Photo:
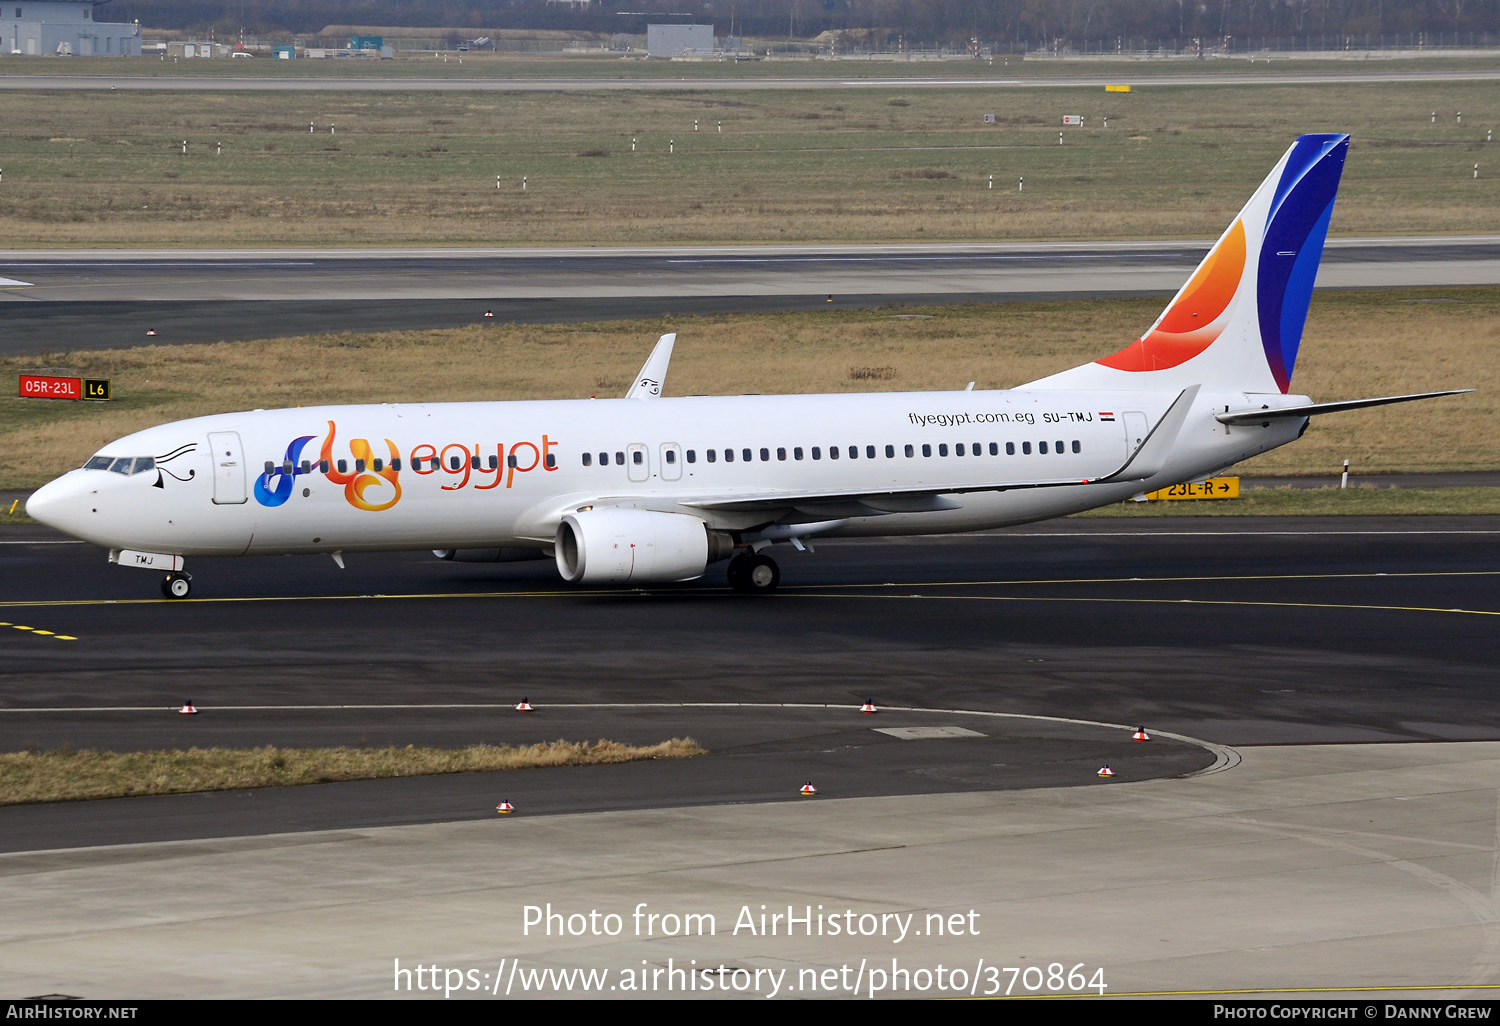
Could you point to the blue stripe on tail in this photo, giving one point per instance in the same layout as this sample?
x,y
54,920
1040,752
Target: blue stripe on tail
x,y
1293,244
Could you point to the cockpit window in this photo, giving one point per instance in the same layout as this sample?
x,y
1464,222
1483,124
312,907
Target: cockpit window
x,y
126,465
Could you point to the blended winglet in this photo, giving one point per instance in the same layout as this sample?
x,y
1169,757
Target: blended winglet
x,y
654,371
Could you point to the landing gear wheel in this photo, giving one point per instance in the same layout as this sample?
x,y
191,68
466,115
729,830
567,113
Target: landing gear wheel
x,y
736,572
177,586
761,574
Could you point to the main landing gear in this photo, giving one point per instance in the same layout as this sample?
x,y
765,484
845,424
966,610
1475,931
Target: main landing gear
x,y
754,573
177,585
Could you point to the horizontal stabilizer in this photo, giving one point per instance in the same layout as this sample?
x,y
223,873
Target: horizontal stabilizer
x,y
1313,409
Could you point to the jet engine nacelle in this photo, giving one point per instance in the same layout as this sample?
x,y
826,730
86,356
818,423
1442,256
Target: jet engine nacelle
x,y
618,545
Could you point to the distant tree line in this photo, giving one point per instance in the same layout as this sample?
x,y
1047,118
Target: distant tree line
x,y
1064,23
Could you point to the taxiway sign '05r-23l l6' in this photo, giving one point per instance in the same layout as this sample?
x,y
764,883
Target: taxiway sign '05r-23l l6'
x,y
648,489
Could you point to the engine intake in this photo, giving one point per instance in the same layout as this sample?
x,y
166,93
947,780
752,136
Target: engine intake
x,y
603,546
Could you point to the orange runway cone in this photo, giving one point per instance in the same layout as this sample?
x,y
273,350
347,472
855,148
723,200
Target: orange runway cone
x,y
1105,771
523,706
808,789
188,709
505,807
1140,735
869,706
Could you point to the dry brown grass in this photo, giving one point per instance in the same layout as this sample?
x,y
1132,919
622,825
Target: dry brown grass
x,y
1356,344
843,165
67,775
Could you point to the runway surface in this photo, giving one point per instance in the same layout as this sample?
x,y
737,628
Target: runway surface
x,y
756,84
1284,631
103,299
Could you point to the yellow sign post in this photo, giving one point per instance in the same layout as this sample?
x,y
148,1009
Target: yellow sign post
x,y
1213,488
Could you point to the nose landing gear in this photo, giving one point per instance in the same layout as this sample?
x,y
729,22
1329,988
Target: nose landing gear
x,y
177,585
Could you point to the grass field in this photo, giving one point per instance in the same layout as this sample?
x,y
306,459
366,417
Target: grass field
x,y
1356,344
68,775
873,164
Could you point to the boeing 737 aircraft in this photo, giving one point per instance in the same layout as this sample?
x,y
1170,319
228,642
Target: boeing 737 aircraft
x,y
650,489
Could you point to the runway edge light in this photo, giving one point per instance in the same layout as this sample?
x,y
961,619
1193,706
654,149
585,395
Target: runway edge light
x,y
808,790
505,807
1105,771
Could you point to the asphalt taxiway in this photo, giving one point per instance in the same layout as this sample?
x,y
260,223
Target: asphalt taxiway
x,y
102,299
1347,838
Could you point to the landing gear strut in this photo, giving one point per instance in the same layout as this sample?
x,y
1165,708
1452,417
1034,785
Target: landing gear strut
x,y
177,585
754,573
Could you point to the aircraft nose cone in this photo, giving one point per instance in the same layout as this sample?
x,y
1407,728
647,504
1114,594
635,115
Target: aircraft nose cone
x,y
57,504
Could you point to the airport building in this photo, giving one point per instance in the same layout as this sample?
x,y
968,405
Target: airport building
x,y
679,40
64,27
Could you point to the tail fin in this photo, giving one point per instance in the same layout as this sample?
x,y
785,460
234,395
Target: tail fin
x,y
1237,323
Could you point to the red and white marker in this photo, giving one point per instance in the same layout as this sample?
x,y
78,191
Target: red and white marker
x,y
1105,771
150,331
523,706
505,807
869,706
808,789
1140,735
188,708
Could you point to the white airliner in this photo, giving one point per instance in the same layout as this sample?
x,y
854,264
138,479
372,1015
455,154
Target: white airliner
x,y
650,489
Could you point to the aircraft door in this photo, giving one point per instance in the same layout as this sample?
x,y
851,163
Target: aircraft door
x,y
229,467
1136,430
637,461
671,461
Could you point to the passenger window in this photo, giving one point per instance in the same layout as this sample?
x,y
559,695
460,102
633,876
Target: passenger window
x,y
343,466
692,456
619,459
958,450
1041,447
270,467
454,462
746,455
636,457
994,449
551,461
869,452
765,455
494,462
604,459
926,449
395,465
377,466
781,454
670,455
942,448
910,452
323,466
359,465
1026,448
713,454
797,452
588,459
890,452
1010,448
510,461
833,452
286,468
854,452
474,462
728,455
1076,446
817,452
